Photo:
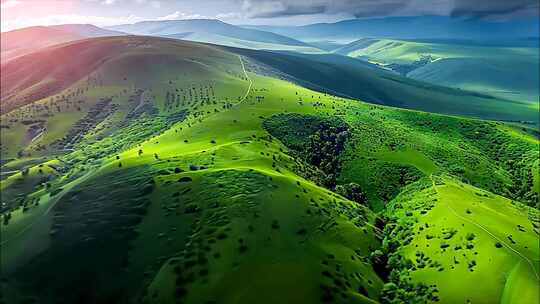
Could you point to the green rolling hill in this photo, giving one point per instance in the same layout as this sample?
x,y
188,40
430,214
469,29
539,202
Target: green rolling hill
x,y
202,174
509,71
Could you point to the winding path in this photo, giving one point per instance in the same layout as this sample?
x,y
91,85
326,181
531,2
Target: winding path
x,y
248,78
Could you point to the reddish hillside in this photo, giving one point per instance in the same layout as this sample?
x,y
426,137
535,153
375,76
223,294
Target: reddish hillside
x,y
20,42
23,41
48,71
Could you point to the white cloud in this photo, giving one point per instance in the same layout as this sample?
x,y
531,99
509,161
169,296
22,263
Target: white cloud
x,y
181,16
155,4
229,16
108,2
9,4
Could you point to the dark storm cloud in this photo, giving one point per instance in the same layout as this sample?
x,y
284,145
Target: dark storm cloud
x,y
277,8
373,8
494,8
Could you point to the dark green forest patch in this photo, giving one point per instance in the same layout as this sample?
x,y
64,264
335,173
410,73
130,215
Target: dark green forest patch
x,y
317,140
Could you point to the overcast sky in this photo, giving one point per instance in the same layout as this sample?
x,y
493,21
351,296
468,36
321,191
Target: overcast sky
x,y
23,13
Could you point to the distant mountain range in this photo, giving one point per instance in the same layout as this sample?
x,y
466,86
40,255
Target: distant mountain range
x,y
217,32
314,38
458,45
440,27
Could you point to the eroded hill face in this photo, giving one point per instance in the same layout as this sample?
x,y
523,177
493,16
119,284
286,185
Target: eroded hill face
x,y
195,180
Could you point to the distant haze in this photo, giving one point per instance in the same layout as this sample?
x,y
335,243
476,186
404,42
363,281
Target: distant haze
x,y
24,13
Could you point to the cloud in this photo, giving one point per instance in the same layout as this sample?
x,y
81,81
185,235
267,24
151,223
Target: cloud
x,y
280,8
494,8
378,8
9,4
231,15
181,16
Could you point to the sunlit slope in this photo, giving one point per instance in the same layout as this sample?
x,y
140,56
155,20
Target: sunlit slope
x,y
473,245
507,71
201,206
206,200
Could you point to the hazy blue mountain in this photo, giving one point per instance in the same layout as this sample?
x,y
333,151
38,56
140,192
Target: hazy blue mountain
x,y
204,28
87,30
422,27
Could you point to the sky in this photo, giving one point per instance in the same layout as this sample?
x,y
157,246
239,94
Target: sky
x,y
23,13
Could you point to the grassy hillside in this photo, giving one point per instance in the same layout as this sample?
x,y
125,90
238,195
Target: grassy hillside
x,y
453,235
201,180
510,72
